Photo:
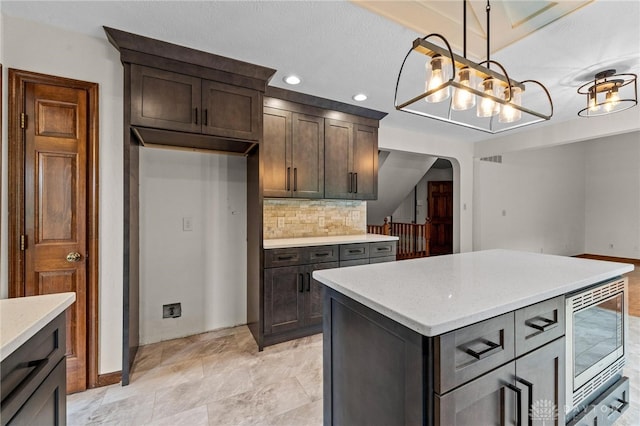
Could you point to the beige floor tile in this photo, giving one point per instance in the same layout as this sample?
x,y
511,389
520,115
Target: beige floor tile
x,y
305,415
255,407
135,410
197,416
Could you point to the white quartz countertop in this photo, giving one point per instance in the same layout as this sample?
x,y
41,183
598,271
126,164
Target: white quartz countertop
x,y
21,318
324,241
435,295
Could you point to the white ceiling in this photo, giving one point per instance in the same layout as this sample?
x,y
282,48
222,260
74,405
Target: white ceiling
x,y
339,48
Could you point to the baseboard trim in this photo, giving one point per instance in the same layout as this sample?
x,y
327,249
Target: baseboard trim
x,y
109,378
608,258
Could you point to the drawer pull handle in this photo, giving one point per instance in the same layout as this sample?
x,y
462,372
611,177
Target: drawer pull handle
x,y
491,349
356,251
518,392
387,248
324,254
287,257
620,408
529,386
548,324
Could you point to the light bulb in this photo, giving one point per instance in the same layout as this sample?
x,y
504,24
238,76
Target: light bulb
x,y
612,99
592,101
509,114
487,107
462,99
438,77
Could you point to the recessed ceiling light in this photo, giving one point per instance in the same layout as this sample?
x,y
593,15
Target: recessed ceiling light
x,y
360,97
292,79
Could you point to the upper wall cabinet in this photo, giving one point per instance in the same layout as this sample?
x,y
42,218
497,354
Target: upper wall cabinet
x,y
293,149
318,148
172,101
351,161
178,96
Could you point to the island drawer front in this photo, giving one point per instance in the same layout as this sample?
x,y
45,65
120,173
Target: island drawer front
x,y
588,417
464,354
26,368
354,251
538,324
284,257
613,402
323,254
382,249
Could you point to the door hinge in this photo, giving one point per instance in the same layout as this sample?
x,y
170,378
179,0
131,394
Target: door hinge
x,y
23,120
23,242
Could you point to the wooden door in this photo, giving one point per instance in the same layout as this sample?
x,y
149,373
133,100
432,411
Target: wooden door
x,y
55,162
365,163
315,294
276,151
440,202
338,159
308,156
231,111
283,299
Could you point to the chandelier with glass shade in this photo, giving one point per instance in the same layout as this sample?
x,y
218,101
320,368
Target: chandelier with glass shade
x,y
608,93
459,91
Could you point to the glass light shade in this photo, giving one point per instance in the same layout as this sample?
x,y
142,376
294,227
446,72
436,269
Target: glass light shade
x,y
612,99
438,72
509,114
462,99
487,107
592,102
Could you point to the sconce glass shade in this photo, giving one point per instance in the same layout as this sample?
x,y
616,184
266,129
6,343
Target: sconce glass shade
x,y
609,93
487,107
437,74
509,114
463,99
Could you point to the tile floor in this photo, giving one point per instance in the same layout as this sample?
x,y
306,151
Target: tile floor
x,y
219,378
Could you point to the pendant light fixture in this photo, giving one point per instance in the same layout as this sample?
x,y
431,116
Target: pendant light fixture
x,y
459,91
603,93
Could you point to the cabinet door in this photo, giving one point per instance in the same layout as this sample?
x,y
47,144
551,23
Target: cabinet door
x,y
541,376
230,111
47,405
315,294
338,155
487,400
165,100
365,163
283,299
276,151
308,156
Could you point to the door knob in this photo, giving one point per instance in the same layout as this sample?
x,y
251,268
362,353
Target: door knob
x,y
73,257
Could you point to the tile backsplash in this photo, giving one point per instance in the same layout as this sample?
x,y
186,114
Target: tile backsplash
x,y
292,218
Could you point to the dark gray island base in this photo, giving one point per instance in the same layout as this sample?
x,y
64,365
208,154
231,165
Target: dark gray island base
x,y
506,370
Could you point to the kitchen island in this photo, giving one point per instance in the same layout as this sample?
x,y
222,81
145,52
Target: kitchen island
x,y
473,338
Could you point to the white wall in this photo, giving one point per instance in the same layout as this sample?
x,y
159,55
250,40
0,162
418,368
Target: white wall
x,y
613,196
533,201
48,50
203,269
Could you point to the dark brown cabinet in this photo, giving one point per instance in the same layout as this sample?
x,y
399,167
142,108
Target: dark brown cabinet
x,y
351,161
293,148
172,101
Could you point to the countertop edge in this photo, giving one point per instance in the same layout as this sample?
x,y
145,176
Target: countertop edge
x,y
325,241
447,326
51,312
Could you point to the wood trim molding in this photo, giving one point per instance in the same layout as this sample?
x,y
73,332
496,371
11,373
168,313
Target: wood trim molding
x,y
608,258
109,378
17,82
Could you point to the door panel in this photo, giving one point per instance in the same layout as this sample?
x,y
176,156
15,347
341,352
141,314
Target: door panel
x,y
308,156
440,201
338,159
315,295
283,299
55,208
365,163
230,111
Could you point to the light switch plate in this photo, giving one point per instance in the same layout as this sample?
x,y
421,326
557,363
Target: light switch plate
x,y
355,215
321,221
187,224
281,222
